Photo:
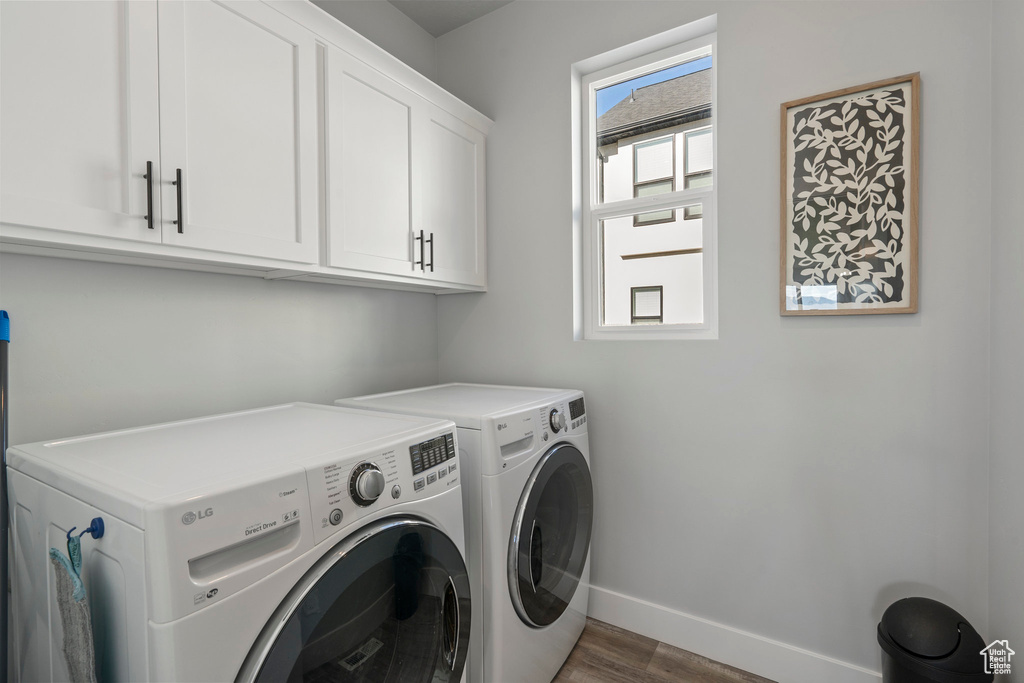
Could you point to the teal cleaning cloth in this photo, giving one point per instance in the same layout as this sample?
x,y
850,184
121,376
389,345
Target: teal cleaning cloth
x,y
79,652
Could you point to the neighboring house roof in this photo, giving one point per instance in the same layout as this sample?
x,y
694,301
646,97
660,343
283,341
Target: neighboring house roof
x,y
652,107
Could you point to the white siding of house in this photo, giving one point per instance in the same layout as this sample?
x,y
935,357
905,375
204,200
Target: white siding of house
x,y
680,275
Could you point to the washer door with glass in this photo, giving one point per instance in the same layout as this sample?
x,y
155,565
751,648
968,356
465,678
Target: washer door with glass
x,y
551,536
391,604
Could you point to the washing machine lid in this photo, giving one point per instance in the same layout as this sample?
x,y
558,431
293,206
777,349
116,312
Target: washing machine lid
x,y
132,469
391,603
468,405
551,536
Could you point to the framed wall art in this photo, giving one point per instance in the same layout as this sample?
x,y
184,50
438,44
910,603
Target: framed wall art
x,y
849,200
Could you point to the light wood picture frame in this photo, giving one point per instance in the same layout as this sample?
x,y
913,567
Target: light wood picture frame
x,y
849,200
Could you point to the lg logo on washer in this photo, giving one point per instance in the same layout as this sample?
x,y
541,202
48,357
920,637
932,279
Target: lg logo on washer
x,y
190,516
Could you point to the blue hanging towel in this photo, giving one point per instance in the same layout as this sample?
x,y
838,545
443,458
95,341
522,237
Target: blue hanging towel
x,y
79,652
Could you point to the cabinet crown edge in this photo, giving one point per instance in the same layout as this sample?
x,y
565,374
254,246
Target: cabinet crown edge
x,y
328,28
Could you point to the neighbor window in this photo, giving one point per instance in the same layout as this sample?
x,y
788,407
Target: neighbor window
x,y
699,157
648,190
654,172
647,304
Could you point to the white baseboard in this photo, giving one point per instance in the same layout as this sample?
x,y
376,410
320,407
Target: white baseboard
x,y
743,650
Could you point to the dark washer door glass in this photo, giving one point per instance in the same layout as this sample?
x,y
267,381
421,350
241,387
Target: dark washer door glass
x,y
391,605
551,535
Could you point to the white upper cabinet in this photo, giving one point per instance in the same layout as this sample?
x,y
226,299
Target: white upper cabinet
x,y
449,196
368,178
79,117
281,143
404,180
238,123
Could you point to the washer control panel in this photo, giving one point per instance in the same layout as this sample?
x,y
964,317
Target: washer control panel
x,y
556,420
577,413
577,408
343,491
564,417
365,484
431,453
430,460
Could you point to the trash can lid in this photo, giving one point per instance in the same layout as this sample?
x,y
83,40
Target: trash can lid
x,y
923,627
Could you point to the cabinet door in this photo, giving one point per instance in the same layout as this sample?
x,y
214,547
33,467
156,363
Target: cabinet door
x,y
79,116
367,134
449,196
238,119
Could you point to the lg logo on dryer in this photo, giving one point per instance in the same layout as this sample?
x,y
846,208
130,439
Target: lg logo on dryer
x,y
190,516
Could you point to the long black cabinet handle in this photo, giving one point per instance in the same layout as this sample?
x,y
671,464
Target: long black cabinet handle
x,y
431,264
419,239
181,219
149,194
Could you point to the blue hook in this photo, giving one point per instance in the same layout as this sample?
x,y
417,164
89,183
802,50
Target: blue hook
x,y
96,529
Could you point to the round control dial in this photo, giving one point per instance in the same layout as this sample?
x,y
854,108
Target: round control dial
x,y
366,483
557,420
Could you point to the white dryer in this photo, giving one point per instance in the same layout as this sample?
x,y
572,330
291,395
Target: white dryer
x,y
529,509
291,543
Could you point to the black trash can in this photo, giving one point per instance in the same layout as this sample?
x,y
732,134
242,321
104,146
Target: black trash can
x,y
924,641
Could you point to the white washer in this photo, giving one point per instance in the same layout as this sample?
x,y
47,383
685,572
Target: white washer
x,y
528,500
297,542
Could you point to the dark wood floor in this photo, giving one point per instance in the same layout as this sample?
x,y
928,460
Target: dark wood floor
x,y
608,654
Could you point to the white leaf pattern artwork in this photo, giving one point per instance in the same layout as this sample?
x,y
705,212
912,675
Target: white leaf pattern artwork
x,y
848,190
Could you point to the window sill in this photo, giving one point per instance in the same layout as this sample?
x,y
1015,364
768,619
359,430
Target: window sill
x,y
651,333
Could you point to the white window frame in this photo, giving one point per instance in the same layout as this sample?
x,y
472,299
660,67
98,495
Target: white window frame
x,y
646,56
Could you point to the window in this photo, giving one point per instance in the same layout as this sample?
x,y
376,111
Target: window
x,y
699,154
647,305
646,186
654,172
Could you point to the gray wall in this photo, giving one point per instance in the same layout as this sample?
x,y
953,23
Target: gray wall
x,y
796,476
384,24
100,346
1007,468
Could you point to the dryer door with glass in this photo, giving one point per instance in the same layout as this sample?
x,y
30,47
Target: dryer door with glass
x,y
390,603
551,535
